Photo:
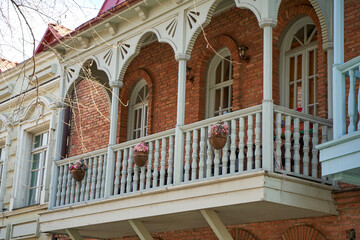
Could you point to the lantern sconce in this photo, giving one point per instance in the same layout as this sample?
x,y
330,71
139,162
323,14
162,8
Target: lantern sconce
x,y
189,76
242,54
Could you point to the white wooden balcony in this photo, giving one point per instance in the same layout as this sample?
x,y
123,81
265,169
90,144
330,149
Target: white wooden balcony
x,y
231,181
340,157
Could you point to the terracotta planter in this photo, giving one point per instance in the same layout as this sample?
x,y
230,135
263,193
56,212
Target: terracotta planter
x,y
140,158
217,142
78,175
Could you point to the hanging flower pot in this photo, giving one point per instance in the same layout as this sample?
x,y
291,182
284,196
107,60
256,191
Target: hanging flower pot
x,y
218,135
78,175
78,170
141,152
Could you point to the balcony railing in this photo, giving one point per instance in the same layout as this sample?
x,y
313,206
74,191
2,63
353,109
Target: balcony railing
x,y
295,136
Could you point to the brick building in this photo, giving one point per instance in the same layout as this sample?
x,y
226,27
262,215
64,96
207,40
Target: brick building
x,y
281,74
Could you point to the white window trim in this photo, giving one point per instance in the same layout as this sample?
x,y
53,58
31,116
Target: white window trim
x,y
4,143
210,78
141,83
285,53
23,152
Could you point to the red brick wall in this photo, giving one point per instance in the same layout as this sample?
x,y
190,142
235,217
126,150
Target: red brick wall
x,y
90,123
332,227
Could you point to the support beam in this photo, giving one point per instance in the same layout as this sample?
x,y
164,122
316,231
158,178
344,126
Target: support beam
x,y
140,230
216,224
73,234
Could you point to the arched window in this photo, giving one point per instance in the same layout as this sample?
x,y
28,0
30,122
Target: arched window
x,y
138,111
299,63
219,84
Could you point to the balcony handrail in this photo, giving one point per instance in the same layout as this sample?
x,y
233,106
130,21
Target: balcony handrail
x,y
151,137
303,116
229,116
349,65
84,155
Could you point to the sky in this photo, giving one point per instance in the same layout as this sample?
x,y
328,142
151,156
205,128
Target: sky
x,y
16,42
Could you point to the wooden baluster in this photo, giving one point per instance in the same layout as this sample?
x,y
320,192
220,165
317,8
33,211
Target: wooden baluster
x,y
98,178
324,134
296,145
278,142
358,105
135,178
142,177
288,143
102,191
93,179
217,162
77,191
68,187
149,166
187,157
171,160
117,172
83,184
156,163
352,111
209,160
129,181
124,171
72,190
58,193
241,143
315,141
306,149
202,153
250,143
88,180
225,154
163,162
64,180
194,154
233,146
258,141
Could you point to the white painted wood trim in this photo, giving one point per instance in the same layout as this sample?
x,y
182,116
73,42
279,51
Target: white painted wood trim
x,y
73,234
216,224
140,230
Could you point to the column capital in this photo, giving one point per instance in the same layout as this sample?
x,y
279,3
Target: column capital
x,y
116,84
182,56
328,46
58,105
267,22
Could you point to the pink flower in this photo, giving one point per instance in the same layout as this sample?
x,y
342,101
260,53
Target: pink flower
x,y
299,109
141,147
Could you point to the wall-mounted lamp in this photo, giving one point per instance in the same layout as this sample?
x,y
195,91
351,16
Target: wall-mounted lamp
x,y
189,76
242,54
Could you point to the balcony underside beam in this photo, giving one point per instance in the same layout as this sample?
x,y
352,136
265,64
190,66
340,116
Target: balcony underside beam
x,y
216,224
73,234
140,230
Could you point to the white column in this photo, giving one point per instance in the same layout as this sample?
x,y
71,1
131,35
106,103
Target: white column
x,y
58,147
339,109
180,118
328,47
267,105
115,85
5,166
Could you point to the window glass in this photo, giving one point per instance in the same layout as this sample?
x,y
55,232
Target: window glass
x,y
37,169
139,111
220,84
301,75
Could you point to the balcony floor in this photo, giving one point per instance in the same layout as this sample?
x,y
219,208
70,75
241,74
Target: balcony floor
x,y
243,198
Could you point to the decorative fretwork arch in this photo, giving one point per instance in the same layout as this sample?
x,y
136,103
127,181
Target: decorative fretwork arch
x,y
241,234
302,233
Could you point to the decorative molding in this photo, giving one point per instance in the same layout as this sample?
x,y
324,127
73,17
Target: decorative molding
x,y
70,73
112,28
108,57
302,232
267,22
124,49
192,18
171,28
85,42
142,11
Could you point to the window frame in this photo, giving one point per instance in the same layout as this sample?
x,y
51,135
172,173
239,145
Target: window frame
x,y
42,150
211,86
133,106
286,54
